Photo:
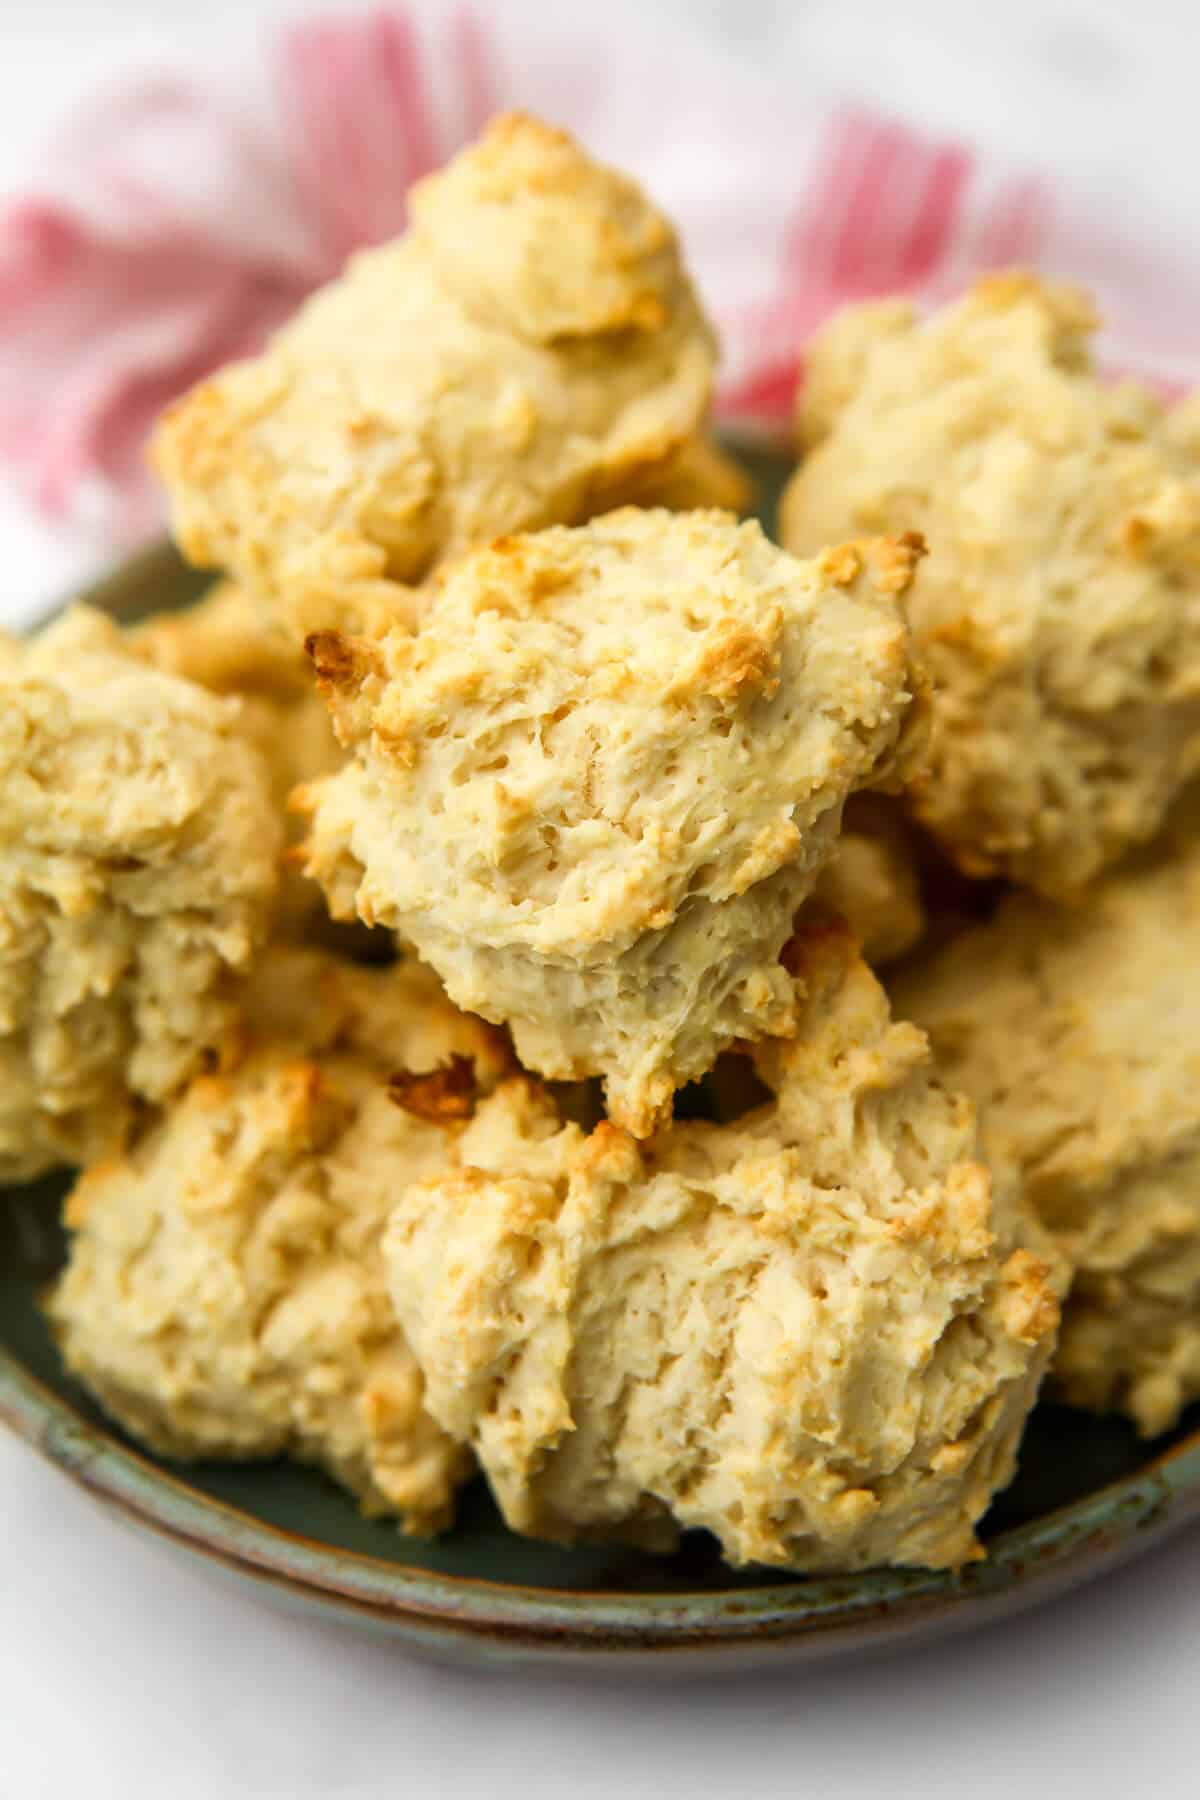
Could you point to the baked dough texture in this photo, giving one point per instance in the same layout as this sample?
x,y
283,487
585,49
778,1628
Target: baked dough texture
x,y
1059,611
138,853
872,879
596,786
524,355
1078,1034
225,644
701,477
815,1333
224,1294
1183,428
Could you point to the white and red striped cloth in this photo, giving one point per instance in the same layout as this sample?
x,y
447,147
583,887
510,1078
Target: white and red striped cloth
x,y
183,216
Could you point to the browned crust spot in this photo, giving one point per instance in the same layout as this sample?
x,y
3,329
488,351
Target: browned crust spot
x,y
440,1097
741,658
1135,535
341,662
1011,287
805,950
894,561
610,1153
1032,1308
841,564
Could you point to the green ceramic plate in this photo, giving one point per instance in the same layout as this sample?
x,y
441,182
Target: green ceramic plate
x,y
1087,1496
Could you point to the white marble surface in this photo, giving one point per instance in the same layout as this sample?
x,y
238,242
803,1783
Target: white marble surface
x,y
124,1677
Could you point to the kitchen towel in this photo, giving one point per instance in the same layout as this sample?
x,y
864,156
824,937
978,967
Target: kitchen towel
x,y
180,217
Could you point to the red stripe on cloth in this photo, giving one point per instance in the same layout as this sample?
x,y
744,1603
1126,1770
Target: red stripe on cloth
x,y
880,214
339,78
810,281
766,394
1014,226
809,236
377,208
1002,233
476,68
1039,216
394,42
806,285
939,213
868,257
311,136
36,244
359,123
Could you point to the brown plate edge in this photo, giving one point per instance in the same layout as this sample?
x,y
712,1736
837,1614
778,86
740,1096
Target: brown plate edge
x,y
811,1620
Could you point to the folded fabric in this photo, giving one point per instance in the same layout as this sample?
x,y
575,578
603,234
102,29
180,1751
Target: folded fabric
x,y
182,217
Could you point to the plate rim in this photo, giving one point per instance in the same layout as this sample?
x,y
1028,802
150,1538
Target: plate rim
x,y
1025,1565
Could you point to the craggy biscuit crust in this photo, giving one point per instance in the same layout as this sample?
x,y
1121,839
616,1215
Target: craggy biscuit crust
x,y
225,645
138,874
593,791
701,477
815,1333
1059,610
224,1294
872,880
1077,1033
526,354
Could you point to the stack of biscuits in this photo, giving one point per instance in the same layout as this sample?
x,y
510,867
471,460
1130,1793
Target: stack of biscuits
x,y
451,951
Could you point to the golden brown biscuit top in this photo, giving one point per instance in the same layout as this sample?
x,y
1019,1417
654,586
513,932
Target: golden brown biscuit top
x,y
814,1332
139,847
594,723
529,352
224,644
105,760
528,232
1076,1029
1059,612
